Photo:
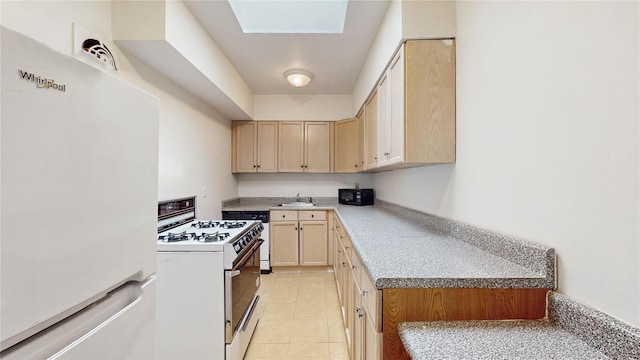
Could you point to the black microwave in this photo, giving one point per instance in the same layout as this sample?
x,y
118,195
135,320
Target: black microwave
x,y
355,196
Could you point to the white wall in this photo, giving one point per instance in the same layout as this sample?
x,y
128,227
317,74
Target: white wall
x,y
385,44
205,55
288,185
548,140
428,19
302,107
200,139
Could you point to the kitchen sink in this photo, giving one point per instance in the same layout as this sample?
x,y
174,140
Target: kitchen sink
x,y
298,204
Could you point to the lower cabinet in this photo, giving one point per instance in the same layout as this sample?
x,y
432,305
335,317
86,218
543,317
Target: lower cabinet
x,y
299,238
360,301
372,338
358,325
313,243
284,243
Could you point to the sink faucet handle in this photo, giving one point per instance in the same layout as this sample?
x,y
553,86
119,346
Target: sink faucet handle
x,y
298,197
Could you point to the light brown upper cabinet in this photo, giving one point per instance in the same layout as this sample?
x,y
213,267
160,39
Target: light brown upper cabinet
x,y
361,140
416,108
371,131
305,146
347,145
391,107
254,146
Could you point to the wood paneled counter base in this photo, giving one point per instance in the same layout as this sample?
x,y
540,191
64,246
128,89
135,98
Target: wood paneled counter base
x,y
418,304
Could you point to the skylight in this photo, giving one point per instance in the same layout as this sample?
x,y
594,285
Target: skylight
x,y
290,16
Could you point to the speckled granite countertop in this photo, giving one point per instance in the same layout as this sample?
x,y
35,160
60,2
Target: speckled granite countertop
x,y
459,340
573,331
401,248
403,252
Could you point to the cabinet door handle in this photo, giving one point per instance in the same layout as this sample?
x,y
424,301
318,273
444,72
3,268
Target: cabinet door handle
x,y
354,267
302,166
312,215
365,292
344,264
347,247
258,165
283,216
254,166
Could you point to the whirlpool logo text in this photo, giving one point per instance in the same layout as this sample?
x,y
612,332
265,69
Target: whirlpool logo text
x,y
42,82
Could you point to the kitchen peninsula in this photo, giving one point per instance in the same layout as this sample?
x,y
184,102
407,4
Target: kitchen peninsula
x,y
425,268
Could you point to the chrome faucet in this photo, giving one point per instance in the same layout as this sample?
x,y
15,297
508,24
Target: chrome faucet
x,y
298,197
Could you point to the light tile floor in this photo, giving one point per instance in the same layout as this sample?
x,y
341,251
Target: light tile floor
x,y
300,318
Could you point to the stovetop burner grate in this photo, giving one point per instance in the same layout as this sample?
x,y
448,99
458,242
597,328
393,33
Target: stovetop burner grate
x,y
232,224
212,237
175,237
205,224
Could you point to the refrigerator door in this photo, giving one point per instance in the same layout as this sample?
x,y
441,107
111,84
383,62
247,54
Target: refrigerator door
x,y
78,185
120,326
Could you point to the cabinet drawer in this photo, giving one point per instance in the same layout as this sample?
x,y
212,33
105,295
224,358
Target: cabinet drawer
x,y
312,215
372,300
284,215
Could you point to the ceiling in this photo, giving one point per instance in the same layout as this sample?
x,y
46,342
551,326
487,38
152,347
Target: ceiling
x,y
261,59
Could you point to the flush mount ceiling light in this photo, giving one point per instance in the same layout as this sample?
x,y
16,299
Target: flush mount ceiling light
x,y
290,16
298,77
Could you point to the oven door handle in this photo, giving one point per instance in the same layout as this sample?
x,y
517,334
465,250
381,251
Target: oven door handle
x,y
246,256
245,321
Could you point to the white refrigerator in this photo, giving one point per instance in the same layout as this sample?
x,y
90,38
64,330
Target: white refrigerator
x,y
78,196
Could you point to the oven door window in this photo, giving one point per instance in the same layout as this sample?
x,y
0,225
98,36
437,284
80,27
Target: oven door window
x,y
244,283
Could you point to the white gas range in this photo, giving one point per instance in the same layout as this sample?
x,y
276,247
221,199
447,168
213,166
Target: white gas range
x,y
208,276
227,236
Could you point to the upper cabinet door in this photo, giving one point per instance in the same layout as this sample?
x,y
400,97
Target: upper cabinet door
x,y
430,108
317,147
267,146
361,140
391,106
396,110
347,145
245,136
384,120
291,147
371,132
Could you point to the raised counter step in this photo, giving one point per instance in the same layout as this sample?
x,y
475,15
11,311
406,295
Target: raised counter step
x,y
572,331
